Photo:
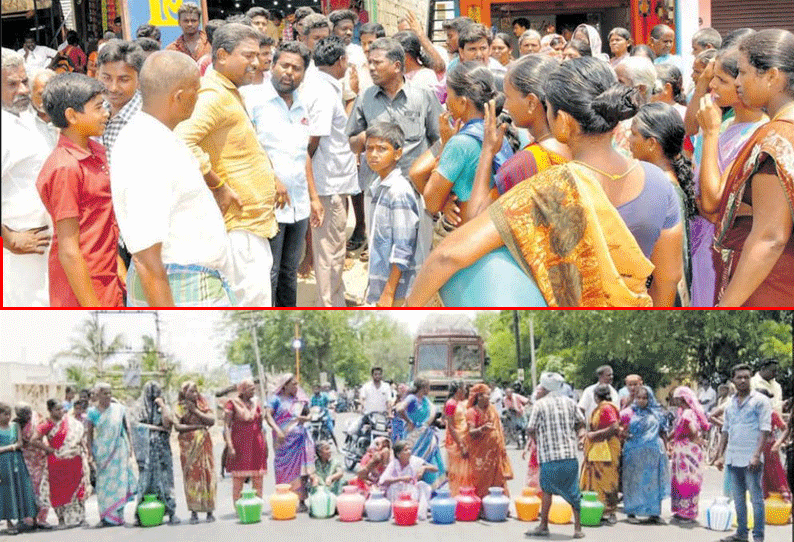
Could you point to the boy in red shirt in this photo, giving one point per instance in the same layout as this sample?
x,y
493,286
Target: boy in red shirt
x,y
74,185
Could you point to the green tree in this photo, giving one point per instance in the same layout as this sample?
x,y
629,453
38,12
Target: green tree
x,y
329,343
659,345
90,348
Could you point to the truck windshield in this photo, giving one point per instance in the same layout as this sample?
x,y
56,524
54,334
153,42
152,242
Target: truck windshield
x,y
466,361
431,360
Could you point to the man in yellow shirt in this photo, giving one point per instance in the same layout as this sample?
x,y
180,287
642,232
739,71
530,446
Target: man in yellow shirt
x,y
234,164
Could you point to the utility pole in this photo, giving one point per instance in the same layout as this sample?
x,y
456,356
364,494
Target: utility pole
x,y
296,344
517,331
532,350
255,342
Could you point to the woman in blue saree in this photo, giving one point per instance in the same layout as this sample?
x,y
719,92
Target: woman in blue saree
x,y
111,452
646,473
418,412
293,445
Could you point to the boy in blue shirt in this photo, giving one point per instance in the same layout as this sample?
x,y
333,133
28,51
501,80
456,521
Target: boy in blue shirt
x,y
395,220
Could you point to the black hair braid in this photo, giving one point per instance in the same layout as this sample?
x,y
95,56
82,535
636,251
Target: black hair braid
x,y
686,180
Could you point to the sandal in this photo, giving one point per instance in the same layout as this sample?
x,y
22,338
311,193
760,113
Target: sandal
x,y
537,532
364,256
733,538
355,243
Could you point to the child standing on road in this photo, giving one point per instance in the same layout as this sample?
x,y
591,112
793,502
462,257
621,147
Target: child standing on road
x,y
396,237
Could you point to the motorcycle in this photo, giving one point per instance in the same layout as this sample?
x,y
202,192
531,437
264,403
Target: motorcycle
x,y
514,426
318,424
342,404
360,433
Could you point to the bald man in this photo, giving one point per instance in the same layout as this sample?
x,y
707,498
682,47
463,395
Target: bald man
x,y
41,120
627,392
167,215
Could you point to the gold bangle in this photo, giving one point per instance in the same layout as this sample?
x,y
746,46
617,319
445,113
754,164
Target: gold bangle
x,y
217,186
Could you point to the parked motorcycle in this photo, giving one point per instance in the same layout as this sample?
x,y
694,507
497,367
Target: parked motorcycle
x,y
360,433
319,424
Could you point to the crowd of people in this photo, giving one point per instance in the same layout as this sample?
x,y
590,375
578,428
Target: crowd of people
x,y
642,188
632,449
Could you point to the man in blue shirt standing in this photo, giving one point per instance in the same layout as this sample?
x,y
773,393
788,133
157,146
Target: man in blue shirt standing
x,y
748,423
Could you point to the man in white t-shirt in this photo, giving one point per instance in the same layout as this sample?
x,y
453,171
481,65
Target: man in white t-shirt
x,y
167,215
334,167
375,395
588,403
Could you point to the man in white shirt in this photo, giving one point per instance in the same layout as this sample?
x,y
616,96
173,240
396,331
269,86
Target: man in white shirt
x,y
26,224
166,213
587,403
375,395
764,379
334,167
707,395
35,56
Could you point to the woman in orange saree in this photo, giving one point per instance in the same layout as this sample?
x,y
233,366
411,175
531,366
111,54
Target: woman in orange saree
x,y
195,446
488,462
602,454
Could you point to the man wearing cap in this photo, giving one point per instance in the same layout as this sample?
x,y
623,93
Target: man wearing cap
x,y
764,379
556,424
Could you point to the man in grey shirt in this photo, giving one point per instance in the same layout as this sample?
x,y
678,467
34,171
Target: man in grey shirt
x,y
393,99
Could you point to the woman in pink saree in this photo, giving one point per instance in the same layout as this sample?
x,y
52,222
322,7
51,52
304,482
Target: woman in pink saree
x,y
687,447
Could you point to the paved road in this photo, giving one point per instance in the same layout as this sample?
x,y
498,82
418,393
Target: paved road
x,y
305,529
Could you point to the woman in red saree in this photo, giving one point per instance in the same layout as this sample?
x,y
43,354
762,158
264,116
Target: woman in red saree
x,y
246,447
774,474
488,462
754,246
67,464
195,446
602,453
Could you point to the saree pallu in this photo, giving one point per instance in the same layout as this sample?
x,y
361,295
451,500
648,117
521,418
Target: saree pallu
x,y
198,466
525,164
115,479
294,458
565,233
457,466
424,443
774,140
36,461
686,468
602,459
67,469
488,460
701,231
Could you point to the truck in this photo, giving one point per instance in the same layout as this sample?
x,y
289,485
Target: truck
x,y
443,356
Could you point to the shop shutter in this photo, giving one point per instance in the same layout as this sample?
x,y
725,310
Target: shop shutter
x,y
728,15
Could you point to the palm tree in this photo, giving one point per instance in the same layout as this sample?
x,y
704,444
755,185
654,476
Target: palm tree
x,y
92,347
